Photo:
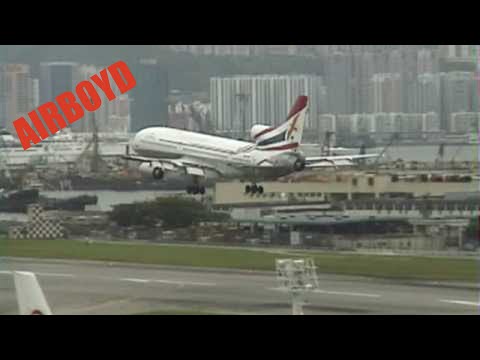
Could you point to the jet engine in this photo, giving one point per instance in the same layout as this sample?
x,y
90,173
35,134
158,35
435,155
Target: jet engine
x,y
295,162
257,130
299,164
152,169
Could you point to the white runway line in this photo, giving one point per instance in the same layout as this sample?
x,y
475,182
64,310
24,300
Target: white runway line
x,y
141,281
56,275
184,283
43,274
461,302
170,282
340,293
135,280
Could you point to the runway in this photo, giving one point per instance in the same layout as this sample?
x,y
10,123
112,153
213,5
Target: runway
x,y
74,287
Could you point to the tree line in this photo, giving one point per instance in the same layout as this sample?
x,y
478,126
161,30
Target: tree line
x,y
170,212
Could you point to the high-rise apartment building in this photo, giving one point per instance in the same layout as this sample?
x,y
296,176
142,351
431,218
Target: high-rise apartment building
x,y
362,71
239,102
16,94
338,76
386,95
459,94
149,98
85,125
119,117
428,93
56,78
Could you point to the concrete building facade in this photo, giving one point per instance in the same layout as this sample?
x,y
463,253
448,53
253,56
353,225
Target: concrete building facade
x,y
16,93
239,102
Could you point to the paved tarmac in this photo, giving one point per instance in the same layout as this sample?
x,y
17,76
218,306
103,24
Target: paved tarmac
x,y
76,287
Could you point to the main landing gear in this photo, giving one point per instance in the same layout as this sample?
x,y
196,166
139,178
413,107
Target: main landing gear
x,y
254,189
195,190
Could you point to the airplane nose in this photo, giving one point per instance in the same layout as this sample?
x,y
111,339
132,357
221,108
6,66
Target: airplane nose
x,y
140,138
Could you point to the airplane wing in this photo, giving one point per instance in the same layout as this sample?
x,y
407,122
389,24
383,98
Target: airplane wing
x,y
190,167
328,164
329,161
342,157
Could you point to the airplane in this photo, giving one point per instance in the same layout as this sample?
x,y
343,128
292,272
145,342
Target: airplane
x,y
30,297
273,154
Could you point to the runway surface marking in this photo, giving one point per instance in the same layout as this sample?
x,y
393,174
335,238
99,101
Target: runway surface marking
x,y
144,281
56,275
453,302
170,282
335,293
461,302
43,274
347,293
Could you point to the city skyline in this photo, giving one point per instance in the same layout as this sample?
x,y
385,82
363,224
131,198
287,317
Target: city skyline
x,y
350,80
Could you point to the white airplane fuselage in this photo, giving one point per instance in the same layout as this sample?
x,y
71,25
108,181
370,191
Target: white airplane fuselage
x,y
273,154
232,158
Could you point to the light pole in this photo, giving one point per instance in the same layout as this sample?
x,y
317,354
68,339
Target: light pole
x,y
297,276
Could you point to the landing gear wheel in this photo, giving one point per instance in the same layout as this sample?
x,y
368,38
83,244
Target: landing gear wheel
x,y
158,174
195,190
254,189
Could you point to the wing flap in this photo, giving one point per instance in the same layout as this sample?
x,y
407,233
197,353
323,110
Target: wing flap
x,y
194,171
325,164
168,166
139,158
336,159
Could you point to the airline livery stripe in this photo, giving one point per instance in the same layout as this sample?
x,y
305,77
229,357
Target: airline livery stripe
x,y
273,140
282,147
301,104
266,131
293,128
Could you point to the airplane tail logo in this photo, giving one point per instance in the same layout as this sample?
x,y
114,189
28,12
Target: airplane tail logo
x,y
287,136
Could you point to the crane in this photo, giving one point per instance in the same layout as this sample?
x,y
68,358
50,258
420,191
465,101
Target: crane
x,y
95,158
395,137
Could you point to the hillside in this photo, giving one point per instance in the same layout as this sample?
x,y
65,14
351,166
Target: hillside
x,y
186,71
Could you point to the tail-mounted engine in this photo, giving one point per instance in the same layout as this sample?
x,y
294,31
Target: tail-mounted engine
x,y
294,161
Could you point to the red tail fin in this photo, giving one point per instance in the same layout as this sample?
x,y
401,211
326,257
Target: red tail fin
x,y
299,105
